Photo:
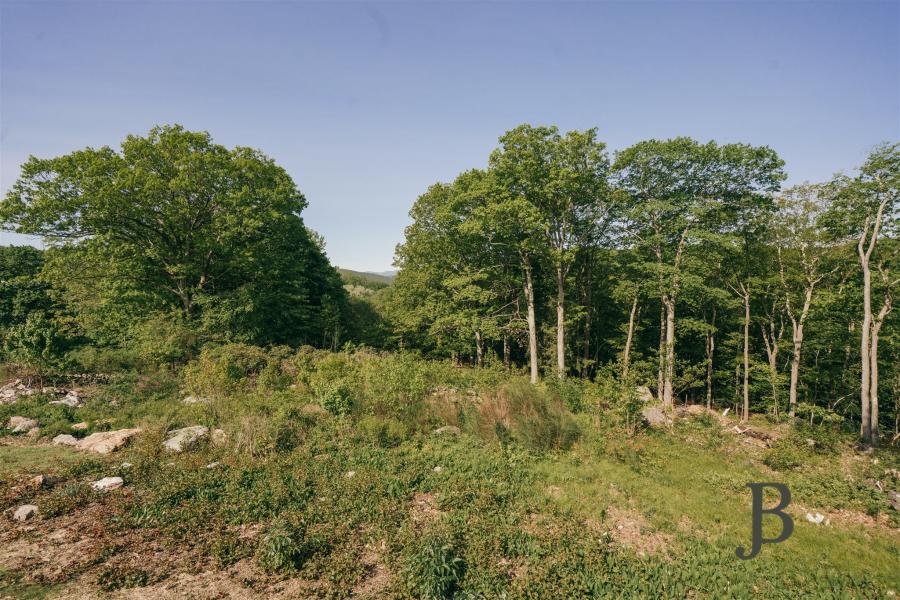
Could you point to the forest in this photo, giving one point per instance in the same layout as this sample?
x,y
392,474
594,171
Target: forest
x,y
582,347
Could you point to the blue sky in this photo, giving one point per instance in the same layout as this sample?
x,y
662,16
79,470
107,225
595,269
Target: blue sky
x,y
366,104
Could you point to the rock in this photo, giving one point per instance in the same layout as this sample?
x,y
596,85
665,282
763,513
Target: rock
x,y
33,433
894,499
71,400
25,512
182,439
21,424
43,481
195,400
218,437
80,426
64,439
811,442
656,416
892,473
817,519
644,394
126,465
449,429
214,465
350,474
108,483
104,442
438,469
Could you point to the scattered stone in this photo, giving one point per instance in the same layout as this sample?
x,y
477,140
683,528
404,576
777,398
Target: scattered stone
x,y
25,512
438,469
656,417
218,437
21,424
71,400
126,465
892,473
214,465
80,426
350,474
43,481
108,483
181,439
195,400
104,442
448,429
894,499
644,394
817,519
811,442
64,439
33,433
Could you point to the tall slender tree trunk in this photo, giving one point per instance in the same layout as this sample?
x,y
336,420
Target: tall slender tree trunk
x,y
627,355
506,350
668,399
661,375
479,350
865,426
560,323
710,349
746,409
795,370
532,324
873,370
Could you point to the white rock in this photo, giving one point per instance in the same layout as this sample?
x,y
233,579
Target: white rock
x,y
350,474
25,512
438,469
104,442
80,426
214,465
126,465
64,439
218,437
21,424
817,520
182,439
195,400
449,429
71,399
656,416
108,483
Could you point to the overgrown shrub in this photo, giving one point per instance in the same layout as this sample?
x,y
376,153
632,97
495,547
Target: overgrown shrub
x,y
225,369
530,416
432,568
383,432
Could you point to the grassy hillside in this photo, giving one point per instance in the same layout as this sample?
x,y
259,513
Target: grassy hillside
x,y
362,475
372,280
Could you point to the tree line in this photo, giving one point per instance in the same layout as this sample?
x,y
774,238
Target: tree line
x,y
675,263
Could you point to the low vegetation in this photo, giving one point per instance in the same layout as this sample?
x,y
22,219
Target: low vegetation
x,y
426,480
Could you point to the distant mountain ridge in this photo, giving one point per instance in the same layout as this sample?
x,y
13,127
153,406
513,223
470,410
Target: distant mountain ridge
x,y
366,279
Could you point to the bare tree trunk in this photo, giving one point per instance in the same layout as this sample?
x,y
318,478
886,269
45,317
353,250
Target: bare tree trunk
x,y
532,324
746,411
560,323
661,375
865,425
668,399
626,358
479,350
710,349
506,350
795,370
873,374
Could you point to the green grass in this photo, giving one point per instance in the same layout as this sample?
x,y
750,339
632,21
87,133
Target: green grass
x,y
521,504
15,459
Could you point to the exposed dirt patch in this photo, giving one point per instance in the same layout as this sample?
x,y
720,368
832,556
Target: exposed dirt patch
x,y
424,508
377,577
631,529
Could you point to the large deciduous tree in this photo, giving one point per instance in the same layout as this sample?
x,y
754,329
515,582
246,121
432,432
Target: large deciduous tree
x,y
174,221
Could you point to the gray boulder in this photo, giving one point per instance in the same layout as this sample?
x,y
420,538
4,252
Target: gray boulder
x,y
21,424
447,429
108,483
64,439
655,416
180,440
104,442
25,512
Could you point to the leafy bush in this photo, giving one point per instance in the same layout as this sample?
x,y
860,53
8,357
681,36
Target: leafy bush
x,y
383,432
225,369
283,547
786,454
432,568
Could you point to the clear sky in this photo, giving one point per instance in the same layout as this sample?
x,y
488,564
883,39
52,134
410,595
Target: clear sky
x,y
366,104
